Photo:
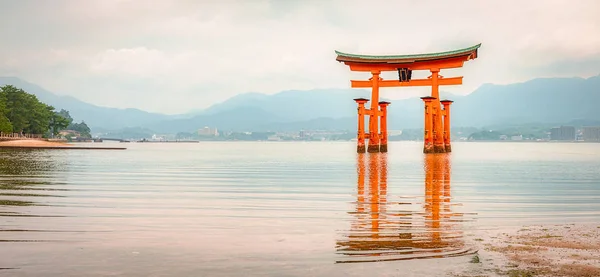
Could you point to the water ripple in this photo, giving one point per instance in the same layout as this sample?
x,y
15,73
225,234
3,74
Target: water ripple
x,y
416,227
315,206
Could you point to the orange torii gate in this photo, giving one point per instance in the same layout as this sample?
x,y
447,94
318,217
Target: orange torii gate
x,y
437,120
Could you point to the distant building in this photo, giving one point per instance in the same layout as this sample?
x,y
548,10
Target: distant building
x,y
303,134
274,138
591,133
157,138
519,137
394,132
562,133
206,131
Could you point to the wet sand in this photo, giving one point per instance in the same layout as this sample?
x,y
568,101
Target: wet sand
x,y
571,250
44,144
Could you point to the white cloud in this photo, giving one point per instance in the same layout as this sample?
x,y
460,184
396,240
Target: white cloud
x,y
136,62
174,56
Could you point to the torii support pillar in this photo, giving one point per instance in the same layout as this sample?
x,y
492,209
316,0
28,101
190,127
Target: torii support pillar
x,y
428,134
383,136
447,132
360,136
373,146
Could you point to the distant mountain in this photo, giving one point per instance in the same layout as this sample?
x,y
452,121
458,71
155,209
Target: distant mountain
x,y
332,109
543,101
294,105
243,118
318,109
94,116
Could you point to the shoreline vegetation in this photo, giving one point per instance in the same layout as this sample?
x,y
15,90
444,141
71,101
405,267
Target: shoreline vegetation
x,y
23,115
569,250
26,122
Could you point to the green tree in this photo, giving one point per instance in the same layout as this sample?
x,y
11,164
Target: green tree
x,y
82,128
60,121
5,125
38,117
22,112
16,107
485,135
64,113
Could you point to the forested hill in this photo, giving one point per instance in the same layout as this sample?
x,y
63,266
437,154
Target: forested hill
x,y
21,112
94,116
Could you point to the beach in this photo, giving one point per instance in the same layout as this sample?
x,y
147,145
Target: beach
x,y
44,144
32,143
571,250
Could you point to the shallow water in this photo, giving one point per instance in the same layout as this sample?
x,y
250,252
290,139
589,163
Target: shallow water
x,y
279,208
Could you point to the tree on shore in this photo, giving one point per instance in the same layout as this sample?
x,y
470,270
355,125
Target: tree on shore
x,y
81,128
485,135
60,121
5,124
21,112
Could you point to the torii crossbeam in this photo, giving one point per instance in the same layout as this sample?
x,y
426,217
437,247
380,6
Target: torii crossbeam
x,y
437,120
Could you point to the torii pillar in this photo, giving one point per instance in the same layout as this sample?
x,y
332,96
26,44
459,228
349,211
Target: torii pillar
x,y
428,130
446,113
383,136
437,125
374,114
437,131
360,135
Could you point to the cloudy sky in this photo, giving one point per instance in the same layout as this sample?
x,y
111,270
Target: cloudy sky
x,y
175,56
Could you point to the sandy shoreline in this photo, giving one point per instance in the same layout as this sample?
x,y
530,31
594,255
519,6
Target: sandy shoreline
x,y
44,144
31,143
538,250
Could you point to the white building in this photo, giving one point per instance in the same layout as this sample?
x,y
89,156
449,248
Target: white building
x,y
206,131
519,137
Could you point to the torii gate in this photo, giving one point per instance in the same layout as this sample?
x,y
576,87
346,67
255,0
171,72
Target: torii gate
x,y
437,120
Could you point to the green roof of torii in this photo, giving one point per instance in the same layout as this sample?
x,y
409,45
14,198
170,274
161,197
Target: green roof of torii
x,y
404,58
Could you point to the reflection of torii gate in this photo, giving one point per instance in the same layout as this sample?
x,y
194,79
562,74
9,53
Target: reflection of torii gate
x,y
437,130
383,231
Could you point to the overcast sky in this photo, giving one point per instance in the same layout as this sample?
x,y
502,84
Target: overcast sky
x,y
175,56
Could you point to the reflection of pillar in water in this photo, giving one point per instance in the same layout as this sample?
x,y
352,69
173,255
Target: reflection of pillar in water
x,y
383,138
447,169
360,195
437,195
379,232
383,167
374,193
433,186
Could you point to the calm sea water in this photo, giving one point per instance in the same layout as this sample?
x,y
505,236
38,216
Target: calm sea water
x,y
279,208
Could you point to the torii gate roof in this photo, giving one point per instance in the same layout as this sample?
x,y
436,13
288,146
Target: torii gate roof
x,y
467,53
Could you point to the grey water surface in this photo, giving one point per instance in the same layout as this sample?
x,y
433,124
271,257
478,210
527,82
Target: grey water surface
x,y
280,208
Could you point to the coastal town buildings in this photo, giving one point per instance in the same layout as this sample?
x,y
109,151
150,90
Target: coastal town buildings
x,y
591,133
207,131
562,133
